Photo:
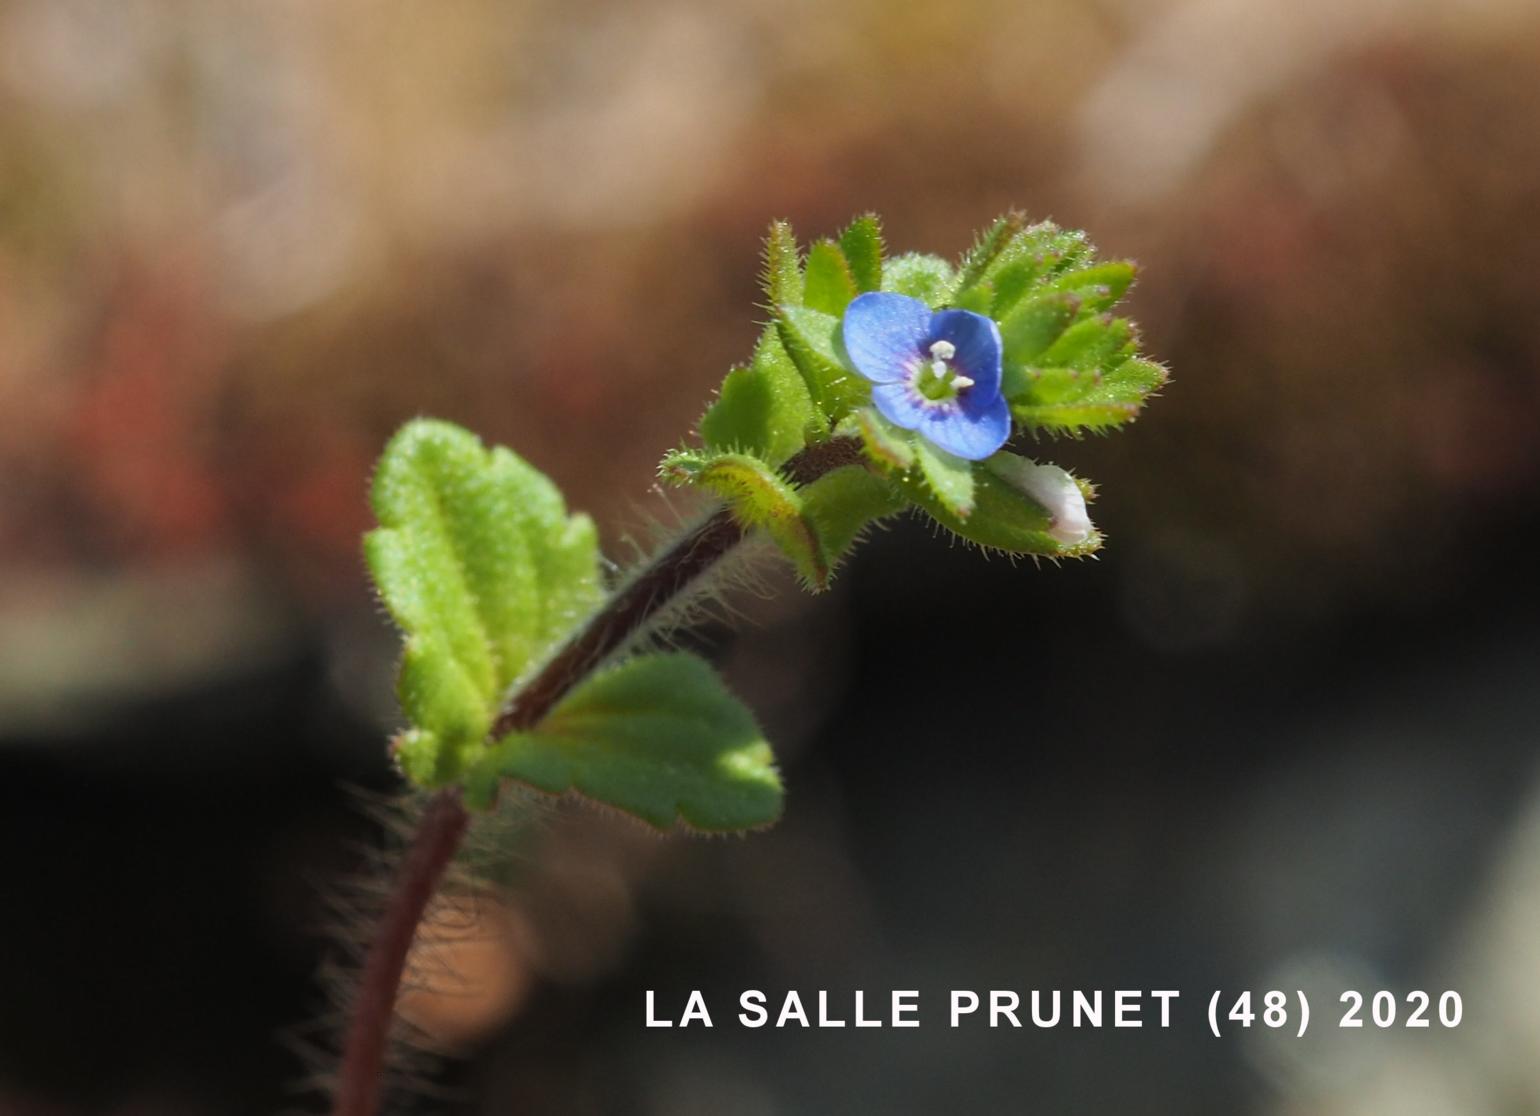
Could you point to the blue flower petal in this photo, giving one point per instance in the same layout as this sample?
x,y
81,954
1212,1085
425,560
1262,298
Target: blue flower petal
x,y
885,334
977,340
972,432
900,405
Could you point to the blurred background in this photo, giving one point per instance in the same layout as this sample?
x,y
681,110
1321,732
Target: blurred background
x,y
1282,733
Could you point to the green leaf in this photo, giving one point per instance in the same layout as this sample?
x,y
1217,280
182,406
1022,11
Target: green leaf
x,y
1136,379
927,278
1004,519
1050,249
986,249
887,445
811,338
1094,343
979,298
827,283
1042,386
1063,400
763,409
1072,418
1032,258
948,478
783,272
1100,286
842,503
1028,331
659,738
480,565
759,497
1012,282
862,245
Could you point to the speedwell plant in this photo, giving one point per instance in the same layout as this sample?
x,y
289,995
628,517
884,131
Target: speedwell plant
x,y
882,385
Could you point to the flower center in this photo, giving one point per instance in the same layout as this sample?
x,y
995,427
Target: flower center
x,y
938,381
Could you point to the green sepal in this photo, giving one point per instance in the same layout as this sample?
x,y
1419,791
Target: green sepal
x,y
927,278
659,738
782,277
862,245
1004,518
480,565
812,341
827,282
763,409
888,446
842,503
759,497
947,477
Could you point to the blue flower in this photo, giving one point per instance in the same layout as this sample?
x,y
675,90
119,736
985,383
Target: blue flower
x,y
935,372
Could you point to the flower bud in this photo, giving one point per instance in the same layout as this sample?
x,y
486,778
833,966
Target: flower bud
x,y
1054,489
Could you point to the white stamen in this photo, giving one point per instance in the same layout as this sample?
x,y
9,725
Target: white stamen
x,y
960,381
941,352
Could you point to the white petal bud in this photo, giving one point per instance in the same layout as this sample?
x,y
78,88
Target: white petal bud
x,y
1054,489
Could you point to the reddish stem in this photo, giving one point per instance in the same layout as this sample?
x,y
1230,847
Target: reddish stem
x,y
363,1055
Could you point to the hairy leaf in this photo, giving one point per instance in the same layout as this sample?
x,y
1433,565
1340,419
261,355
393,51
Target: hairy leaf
x,y
1095,343
1035,324
862,245
1063,400
917,275
483,569
1100,286
986,250
887,445
948,478
827,283
759,497
763,409
659,738
812,340
842,503
978,298
783,271
1005,519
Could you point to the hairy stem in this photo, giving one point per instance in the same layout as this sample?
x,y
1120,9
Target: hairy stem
x,y
363,1054
623,616
443,823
